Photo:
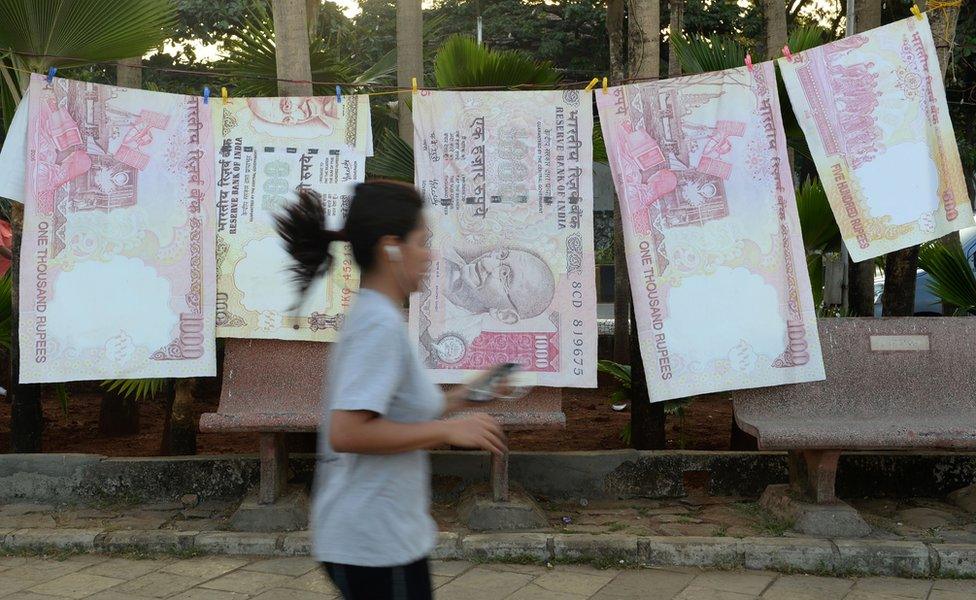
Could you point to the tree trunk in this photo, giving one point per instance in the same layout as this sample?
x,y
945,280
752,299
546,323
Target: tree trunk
x,y
621,282
860,284
26,418
117,415
291,47
676,26
180,428
901,267
644,43
615,33
777,34
646,420
312,8
128,73
410,58
860,288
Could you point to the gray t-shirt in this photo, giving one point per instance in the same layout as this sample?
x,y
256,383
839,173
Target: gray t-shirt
x,y
374,510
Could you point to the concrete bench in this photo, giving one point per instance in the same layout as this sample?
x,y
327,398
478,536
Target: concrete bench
x,y
892,384
274,387
271,387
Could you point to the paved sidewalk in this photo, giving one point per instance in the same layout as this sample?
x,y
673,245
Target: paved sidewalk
x,y
232,578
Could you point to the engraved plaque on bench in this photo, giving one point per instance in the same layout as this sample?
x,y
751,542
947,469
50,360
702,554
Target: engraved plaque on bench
x,y
900,343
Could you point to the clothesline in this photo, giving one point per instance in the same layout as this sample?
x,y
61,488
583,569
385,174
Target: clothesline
x,y
381,89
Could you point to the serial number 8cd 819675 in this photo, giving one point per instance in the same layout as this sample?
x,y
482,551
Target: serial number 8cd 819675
x,y
577,330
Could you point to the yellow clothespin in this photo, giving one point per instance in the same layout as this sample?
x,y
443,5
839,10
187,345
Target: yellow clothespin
x,y
592,84
916,12
413,82
604,85
223,94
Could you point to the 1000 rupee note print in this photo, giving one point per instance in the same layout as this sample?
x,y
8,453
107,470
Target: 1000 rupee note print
x,y
117,271
256,297
873,109
714,250
316,121
508,181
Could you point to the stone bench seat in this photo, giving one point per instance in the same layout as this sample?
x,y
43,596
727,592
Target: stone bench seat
x,y
870,432
273,388
904,383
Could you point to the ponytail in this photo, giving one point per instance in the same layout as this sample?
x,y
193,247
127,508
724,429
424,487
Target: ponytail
x,y
377,209
306,239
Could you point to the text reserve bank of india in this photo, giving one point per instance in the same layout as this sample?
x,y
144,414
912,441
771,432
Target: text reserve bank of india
x,y
507,177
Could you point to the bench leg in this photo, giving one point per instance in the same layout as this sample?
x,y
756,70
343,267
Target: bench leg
x,y
274,467
499,477
813,474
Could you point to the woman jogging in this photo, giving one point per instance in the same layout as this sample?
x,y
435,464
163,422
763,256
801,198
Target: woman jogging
x,y
371,521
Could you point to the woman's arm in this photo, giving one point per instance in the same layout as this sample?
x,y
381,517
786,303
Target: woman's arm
x,y
365,432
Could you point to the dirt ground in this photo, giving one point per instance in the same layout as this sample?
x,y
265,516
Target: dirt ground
x,y
590,425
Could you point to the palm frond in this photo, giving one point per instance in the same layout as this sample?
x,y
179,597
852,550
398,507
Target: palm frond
x,y
250,59
599,146
135,389
699,54
72,32
804,38
618,371
951,274
393,158
461,63
820,231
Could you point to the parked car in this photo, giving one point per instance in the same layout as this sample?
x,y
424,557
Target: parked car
x,y
927,303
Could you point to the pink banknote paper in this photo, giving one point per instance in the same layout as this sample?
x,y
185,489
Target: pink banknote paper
x,y
874,112
714,250
117,272
508,179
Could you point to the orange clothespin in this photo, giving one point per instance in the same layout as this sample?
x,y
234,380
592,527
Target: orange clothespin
x,y
917,12
591,84
223,94
787,53
604,85
748,61
413,83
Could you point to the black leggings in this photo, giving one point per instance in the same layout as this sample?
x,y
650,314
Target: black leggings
x,y
408,582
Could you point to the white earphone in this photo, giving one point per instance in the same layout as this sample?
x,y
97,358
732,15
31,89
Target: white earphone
x,y
393,253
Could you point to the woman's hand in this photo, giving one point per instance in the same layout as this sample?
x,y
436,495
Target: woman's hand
x,y
476,431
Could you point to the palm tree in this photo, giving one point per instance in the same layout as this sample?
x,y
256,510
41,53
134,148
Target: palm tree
x,y
250,60
34,36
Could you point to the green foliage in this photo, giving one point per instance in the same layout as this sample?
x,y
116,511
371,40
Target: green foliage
x,y
41,31
618,371
951,274
250,60
462,63
135,389
699,54
820,232
393,158
38,34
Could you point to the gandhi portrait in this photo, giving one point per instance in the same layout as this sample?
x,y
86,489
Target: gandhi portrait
x,y
295,117
509,284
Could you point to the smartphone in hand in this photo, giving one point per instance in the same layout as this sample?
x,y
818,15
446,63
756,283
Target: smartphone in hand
x,y
482,391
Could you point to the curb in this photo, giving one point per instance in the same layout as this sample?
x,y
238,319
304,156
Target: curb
x,y
792,555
